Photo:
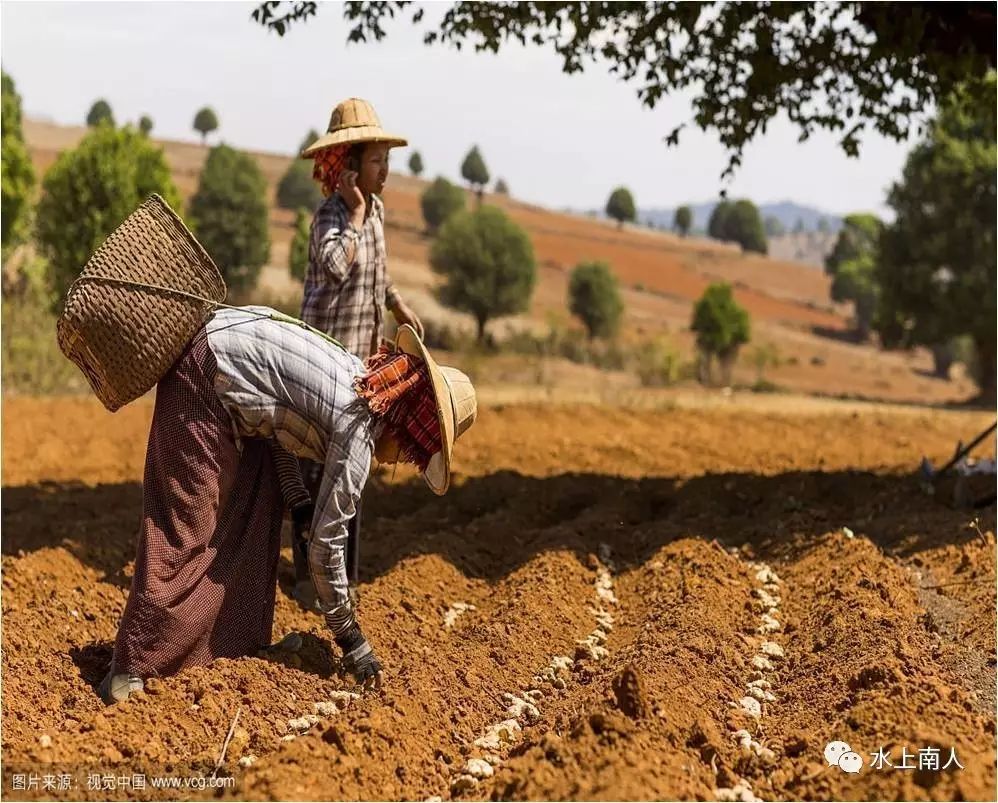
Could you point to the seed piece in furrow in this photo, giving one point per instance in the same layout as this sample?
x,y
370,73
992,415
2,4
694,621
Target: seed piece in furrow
x,y
650,721
447,690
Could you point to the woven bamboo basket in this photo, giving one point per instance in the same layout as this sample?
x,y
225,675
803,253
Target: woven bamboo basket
x,y
138,301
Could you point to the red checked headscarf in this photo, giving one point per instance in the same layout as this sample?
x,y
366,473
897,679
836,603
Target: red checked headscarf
x,y
329,163
397,388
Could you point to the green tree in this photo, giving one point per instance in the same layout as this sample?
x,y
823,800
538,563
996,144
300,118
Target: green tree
x,y
100,113
89,191
501,188
488,262
719,223
594,298
620,206
747,229
205,121
12,114
416,164
799,226
722,326
228,213
145,124
936,267
298,254
856,66
439,201
17,183
738,222
297,188
683,220
474,171
851,263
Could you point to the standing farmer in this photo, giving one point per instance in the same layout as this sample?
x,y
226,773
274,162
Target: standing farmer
x,y
347,287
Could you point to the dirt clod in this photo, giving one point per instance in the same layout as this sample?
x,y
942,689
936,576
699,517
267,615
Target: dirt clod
x,y
627,689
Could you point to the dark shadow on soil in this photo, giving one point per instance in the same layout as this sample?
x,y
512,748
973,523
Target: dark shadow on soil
x,y
850,336
489,526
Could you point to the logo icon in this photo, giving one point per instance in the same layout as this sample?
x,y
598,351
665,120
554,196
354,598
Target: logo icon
x,y
841,755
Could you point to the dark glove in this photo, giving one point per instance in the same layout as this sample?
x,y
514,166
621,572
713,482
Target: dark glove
x,y
301,518
358,657
301,521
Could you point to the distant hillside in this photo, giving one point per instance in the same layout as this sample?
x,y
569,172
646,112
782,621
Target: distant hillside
x,y
809,248
787,212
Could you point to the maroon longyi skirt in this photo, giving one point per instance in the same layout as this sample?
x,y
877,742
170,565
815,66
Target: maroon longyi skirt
x,y
206,567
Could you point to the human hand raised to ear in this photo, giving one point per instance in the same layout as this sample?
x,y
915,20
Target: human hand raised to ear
x,y
352,194
359,658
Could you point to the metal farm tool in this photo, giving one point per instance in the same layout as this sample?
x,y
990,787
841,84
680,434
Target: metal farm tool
x,y
930,476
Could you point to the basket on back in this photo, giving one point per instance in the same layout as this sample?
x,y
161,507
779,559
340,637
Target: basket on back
x,y
121,332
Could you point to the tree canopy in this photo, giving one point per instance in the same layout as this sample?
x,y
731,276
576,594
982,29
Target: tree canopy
x,y
488,262
18,181
439,201
937,262
205,121
845,67
229,215
416,164
620,206
851,264
88,192
738,222
100,113
474,171
682,220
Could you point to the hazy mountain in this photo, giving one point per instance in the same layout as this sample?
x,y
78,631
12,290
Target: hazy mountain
x,y
787,212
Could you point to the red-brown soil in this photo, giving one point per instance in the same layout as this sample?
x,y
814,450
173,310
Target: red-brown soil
x,y
889,636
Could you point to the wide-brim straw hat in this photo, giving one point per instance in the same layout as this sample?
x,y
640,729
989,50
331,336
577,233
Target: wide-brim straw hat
x,y
353,121
457,406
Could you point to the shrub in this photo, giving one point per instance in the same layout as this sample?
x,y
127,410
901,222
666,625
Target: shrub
x,y
722,327
89,191
594,297
229,215
658,363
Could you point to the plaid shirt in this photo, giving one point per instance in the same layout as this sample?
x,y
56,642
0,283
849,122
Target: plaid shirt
x,y
277,380
347,301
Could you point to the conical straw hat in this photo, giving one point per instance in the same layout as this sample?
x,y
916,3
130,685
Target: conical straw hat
x,y
353,121
457,406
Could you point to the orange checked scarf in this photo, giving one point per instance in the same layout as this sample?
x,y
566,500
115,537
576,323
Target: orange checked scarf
x,y
397,388
329,163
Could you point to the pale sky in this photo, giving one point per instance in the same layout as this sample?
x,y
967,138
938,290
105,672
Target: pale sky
x,y
559,140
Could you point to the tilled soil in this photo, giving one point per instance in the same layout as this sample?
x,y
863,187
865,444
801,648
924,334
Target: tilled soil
x,y
609,604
